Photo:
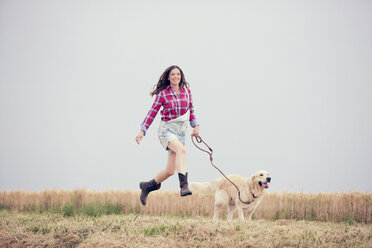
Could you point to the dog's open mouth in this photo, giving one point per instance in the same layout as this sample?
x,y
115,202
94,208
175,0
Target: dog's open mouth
x,y
263,185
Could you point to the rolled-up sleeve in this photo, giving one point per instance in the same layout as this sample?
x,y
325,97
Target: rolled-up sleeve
x,y
193,121
159,101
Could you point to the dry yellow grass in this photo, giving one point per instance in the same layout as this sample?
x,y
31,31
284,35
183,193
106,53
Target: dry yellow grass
x,y
133,230
348,206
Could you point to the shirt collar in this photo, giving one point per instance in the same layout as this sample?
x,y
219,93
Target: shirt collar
x,y
169,87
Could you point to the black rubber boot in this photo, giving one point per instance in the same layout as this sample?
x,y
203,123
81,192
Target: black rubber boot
x,y
184,185
146,188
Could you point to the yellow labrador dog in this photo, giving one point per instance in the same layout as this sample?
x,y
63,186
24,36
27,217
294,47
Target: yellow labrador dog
x,y
226,195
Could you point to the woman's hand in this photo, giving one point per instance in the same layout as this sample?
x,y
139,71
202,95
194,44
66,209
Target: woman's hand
x,y
195,131
140,136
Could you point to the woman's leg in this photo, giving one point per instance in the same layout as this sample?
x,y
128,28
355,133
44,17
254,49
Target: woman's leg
x,y
147,187
180,155
169,169
179,149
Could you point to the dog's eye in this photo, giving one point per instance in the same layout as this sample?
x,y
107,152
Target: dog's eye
x,y
261,175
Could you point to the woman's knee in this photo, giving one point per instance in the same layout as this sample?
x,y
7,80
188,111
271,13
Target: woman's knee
x,y
177,147
182,150
170,172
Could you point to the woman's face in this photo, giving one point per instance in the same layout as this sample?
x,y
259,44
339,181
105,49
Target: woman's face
x,y
174,77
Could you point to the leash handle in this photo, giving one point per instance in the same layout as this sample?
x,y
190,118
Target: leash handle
x,y
200,140
210,152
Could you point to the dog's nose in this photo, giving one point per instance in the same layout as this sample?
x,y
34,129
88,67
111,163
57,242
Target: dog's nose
x,y
268,179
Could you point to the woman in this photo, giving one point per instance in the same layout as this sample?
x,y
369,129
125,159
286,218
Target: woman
x,y
173,94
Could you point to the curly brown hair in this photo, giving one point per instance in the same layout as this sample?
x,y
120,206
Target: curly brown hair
x,y
164,82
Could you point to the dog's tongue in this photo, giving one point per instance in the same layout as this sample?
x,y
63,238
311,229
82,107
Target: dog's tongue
x,y
264,185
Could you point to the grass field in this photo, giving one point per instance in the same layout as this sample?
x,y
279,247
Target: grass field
x,y
26,229
336,207
84,218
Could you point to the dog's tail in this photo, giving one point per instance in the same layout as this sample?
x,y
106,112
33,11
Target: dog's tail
x,y
202,188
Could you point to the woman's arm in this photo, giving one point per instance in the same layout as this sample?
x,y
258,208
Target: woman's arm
x,y
139,136
193,121
159,101
195,131
150,117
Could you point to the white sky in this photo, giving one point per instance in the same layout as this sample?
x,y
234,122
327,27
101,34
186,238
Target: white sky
x,y
284,86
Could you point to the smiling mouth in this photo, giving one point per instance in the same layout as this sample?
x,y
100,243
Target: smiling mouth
x,y
264,185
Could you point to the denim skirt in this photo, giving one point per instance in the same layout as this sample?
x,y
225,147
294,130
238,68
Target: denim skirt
x,y
173,129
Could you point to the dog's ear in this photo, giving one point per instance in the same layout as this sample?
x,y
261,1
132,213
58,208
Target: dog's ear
x,y
254,176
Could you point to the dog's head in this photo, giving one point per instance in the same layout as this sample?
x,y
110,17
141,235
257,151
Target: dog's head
x,y
262,178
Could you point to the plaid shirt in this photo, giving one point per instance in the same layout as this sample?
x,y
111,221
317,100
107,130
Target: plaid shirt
x,y
174,105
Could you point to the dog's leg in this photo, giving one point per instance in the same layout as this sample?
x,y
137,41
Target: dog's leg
x,y
216,212
220,200
240,213
230,211
250,215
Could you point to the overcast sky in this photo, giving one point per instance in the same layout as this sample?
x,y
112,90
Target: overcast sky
x,y
284,86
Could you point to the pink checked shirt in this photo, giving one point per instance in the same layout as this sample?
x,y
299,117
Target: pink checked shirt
x,y
174,105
